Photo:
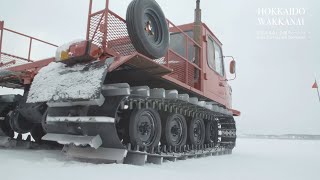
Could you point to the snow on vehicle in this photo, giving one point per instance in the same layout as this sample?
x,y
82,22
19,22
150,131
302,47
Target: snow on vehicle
x,y
135,91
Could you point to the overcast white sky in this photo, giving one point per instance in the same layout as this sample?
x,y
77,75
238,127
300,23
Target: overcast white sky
x,y
273,88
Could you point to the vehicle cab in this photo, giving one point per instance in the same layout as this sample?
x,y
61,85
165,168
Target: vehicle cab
x,y
212,79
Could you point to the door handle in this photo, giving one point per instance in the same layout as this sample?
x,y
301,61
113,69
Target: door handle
x,y
221,84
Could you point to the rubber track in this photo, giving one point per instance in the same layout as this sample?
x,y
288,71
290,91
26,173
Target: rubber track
x,y
226,128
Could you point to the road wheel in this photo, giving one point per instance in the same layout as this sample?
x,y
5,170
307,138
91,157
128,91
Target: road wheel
x,y
147,28
145,127
196,131
211,132
174,132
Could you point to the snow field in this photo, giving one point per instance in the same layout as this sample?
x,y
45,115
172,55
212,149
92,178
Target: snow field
x,y
253,159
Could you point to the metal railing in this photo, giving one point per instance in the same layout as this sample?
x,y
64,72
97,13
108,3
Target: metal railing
x,y
10,59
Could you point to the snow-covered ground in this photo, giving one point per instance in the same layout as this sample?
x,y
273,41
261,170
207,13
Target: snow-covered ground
x,y
252,159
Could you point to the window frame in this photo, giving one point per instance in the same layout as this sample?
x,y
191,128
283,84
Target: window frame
x,y
210,38
190,59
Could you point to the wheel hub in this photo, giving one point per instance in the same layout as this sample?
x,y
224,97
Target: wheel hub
x,y
149,28
152,27
176,130
145,128
197,132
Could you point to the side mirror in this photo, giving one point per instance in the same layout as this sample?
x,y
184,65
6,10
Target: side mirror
x,y
233,67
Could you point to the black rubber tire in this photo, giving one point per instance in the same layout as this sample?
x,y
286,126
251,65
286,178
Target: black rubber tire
x,y
134,132
37,133
19,124
191,132
166,130
211,132
137,13
5,126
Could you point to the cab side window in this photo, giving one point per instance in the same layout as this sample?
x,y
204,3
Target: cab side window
x,y
215,58
177,44
211,54
218,59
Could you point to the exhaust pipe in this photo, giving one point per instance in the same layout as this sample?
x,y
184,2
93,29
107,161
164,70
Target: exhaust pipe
x,y
197,31
197,28
197,18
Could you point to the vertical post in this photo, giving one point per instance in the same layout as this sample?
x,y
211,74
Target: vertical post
x,y
1,36
30,46
187,58
186,46
105,34
201,70
187,73
89,19
167,58
317,88
316,85
318,93
167,55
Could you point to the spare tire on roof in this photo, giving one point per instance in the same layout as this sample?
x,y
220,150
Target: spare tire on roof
x,y
147,28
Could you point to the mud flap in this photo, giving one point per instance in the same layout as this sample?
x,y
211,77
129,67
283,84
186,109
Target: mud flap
x,y
59,83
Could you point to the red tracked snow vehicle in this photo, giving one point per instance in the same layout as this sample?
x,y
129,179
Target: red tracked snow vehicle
x,y
136,90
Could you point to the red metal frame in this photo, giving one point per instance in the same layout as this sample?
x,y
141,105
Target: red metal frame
x,y
25,72
12,57
24,68
108,30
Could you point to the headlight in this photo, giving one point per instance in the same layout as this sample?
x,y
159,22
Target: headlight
x,y
62,52
77,51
